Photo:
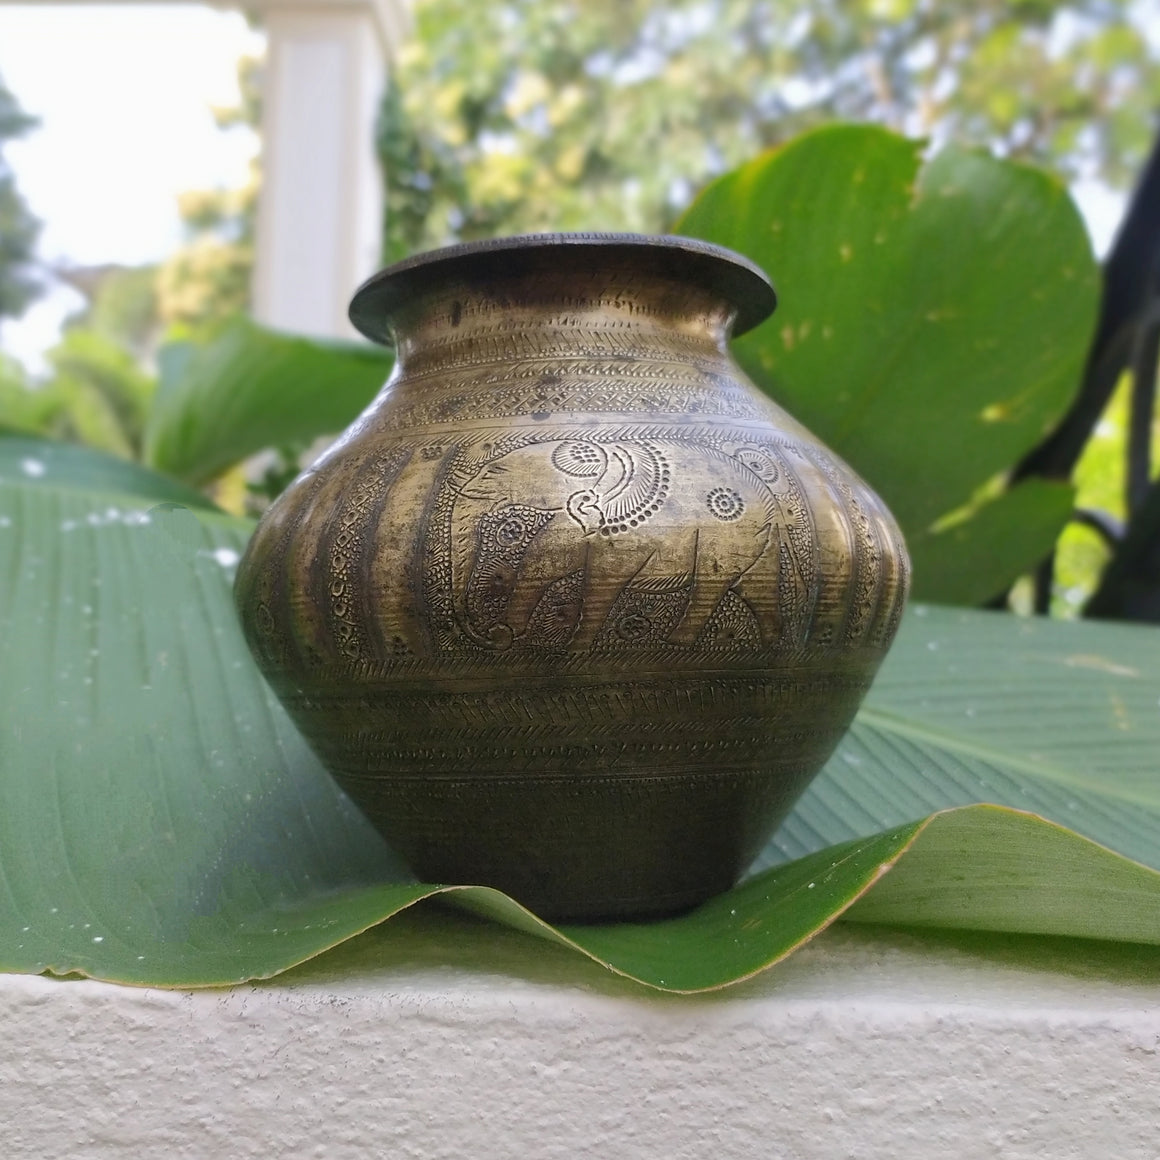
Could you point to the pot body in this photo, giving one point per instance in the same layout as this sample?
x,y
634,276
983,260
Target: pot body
x,y
573,610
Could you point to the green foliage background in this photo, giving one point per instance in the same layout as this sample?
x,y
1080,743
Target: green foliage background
x,y
526,115
19,283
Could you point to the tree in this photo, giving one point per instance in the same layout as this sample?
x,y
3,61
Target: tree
x,y
207,281
95,395
102,376
120,305
18,228
590,114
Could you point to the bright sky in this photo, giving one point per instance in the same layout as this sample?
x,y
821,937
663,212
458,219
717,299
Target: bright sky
x,y
123,94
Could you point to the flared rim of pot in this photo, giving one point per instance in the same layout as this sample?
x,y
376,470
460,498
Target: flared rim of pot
x,y
714,268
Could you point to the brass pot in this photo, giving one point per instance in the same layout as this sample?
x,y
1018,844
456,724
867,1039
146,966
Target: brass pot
x,y
573,610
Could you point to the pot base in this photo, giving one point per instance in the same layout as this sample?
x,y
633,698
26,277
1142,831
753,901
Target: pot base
x,y
587,799
583,849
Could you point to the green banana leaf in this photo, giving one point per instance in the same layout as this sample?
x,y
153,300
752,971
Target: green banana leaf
x,y
162,823
933,325
251,388
34,460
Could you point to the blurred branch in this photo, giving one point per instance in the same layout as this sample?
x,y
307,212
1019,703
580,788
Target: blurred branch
x,y
1126,339
1129,291
1107,527
1144,360
1130,588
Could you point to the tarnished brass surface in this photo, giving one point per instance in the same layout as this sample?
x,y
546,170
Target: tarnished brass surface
x,y
573,610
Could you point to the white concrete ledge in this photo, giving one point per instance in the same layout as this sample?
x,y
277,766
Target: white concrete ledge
x,y
439,1037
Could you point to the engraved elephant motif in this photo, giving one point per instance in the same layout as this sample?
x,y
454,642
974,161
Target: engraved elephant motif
x,y
548,537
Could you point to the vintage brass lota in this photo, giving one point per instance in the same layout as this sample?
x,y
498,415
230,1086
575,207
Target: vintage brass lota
x,y
572,609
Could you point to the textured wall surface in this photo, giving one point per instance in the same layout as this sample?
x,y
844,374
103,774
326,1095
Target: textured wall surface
x,y
440,1037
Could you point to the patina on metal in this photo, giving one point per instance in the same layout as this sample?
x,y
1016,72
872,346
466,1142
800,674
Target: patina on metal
x,y
573,610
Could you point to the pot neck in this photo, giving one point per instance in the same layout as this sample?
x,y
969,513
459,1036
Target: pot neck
x,y
554,315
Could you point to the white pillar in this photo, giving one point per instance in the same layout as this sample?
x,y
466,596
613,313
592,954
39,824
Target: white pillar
x,y
320,211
